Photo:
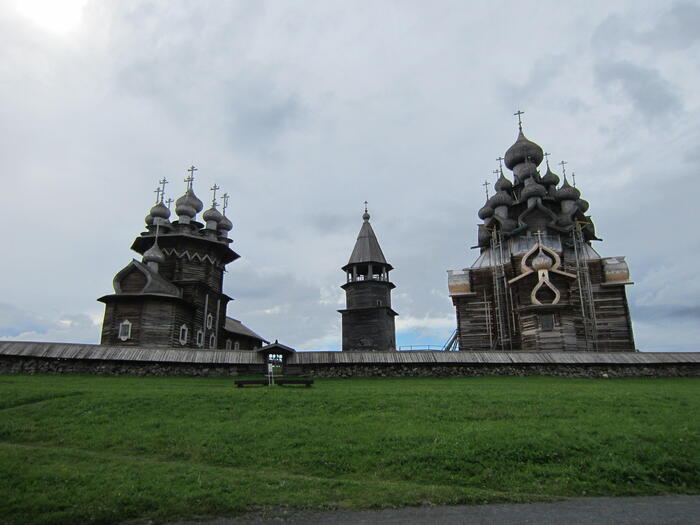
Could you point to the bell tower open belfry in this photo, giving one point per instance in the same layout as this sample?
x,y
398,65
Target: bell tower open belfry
x,y
368,319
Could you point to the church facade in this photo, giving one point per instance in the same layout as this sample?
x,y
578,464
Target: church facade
x,y
538,283
174,296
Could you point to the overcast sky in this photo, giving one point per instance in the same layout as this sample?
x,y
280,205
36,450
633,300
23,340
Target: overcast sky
x,y
303,110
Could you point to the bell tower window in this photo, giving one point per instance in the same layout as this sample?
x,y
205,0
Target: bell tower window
x,y
200,338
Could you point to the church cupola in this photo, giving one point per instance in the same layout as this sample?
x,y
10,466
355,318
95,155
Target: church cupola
x,y
188,206
368,319
225,225
212,216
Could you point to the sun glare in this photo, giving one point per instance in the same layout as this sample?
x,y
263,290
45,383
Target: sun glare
x,y
59,17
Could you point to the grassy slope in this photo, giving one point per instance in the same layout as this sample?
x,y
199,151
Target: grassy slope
x,y
104,449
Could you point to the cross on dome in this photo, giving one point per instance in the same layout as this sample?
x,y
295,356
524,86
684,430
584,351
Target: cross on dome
x,y
546,156
563,169
520,122
169,202
190,177
225,198
159,196
162,182
486,188
500,163
214,188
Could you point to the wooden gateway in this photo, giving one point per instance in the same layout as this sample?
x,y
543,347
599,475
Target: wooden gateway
x,y
174,297
538,284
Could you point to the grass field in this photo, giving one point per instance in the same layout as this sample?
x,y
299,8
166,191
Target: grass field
x,y
79,449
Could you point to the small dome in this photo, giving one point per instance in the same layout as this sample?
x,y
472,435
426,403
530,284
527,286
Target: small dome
x,y
550,178
532,189
160,210
154,254
503,184
521,150
225,224
542,261
525,170
582,205
567,192
149,220
485,212
365,216
188,204
212,214
502,198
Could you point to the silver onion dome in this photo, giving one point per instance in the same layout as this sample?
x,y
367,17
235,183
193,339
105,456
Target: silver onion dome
x,y
521,150
154,254
532,189
567,192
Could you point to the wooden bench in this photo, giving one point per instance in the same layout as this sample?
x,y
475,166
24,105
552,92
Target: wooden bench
x,y
306,382
247,382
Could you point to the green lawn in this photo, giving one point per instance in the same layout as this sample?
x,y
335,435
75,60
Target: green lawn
x,y
78,449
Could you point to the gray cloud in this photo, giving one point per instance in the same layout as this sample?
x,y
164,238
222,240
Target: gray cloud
x,y
650,94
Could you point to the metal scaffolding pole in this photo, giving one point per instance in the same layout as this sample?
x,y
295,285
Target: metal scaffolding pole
x,y
588,317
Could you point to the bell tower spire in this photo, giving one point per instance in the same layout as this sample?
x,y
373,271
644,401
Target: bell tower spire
x,y
368,319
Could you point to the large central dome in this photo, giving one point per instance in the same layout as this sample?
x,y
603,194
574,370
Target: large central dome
x,y
521,150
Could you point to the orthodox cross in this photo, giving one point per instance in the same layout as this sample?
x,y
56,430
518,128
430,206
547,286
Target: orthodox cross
x,y
365,206
546,156
214,188
538,233
486,187
497,172
169,202
563,169
159,197
162,182
224,197
573,177
190,178
520,122
500,163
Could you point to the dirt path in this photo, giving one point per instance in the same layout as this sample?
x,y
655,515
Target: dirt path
x,y
666,510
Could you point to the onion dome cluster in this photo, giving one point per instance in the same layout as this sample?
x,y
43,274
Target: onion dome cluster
x,y
530,202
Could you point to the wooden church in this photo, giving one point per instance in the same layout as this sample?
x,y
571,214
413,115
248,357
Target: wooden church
x,y
174,296
538,284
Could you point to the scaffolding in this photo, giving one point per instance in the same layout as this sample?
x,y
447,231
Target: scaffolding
x,y
585,291
501,295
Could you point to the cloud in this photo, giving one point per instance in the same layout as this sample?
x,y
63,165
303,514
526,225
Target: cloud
x,y
649,93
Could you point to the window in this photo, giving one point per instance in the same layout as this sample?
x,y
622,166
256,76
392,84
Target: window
x,y
184,332
212,341
228,344
125,330
379,303
547,322
200,338
210,320
237,346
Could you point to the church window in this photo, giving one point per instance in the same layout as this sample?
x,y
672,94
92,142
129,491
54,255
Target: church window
x,y
183,334
125,330
546,322
212,341
237,346
200,338
379,303
210,320
228,344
